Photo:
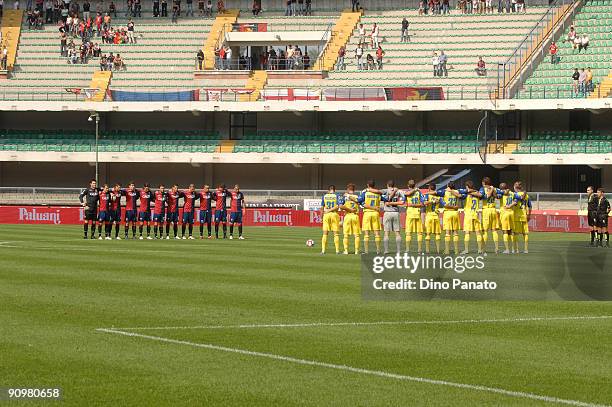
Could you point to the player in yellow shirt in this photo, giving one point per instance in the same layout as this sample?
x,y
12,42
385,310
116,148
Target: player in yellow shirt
x,y
432,218
370,200
490,217
330,205
450,217
507,201
522,213
414,222
350,224
471,222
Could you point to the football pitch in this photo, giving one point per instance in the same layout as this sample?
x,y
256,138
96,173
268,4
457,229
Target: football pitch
x,y
269,321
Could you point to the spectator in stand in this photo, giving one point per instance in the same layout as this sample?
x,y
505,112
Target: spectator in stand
x,y
1,9
405,37
228,57
308,10
306,60
137,8
423,7
288,9
445,7
130,32
461,5
200,57
155,8
589,80
256,7
577,43
370,62
375,36
164,8
118,62
209,8
575,78
48,11
443,60
481,68
584,43
436,7
109,61
300,7
469,6
290,57
112,9
221,58
379,57
481,6
355,5
220,7
582,81
4,59
103,63
552,49
189,8
359,57
571,35
63,44
435,62
361,31
175,12
520,6
340,65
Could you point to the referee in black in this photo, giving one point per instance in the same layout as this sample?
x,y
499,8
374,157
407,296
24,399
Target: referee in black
x,y
592,202
603,212
89,199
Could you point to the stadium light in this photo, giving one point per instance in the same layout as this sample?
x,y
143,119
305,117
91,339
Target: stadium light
x,y
96,116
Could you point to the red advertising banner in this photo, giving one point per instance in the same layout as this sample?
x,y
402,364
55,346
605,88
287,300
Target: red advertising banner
x,y
541,221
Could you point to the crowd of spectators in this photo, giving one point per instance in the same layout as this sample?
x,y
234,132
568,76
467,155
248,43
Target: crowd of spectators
x,y
582,82
297,7
439,63
435,7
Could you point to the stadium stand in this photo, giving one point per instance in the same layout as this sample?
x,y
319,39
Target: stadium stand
x,y
555,80
463,38
163,57
214,39
566,142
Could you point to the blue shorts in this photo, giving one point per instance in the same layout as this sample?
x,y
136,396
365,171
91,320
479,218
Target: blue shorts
x,y
188,217
115,216
158,217
104,216
220,216
130,216
172,217
144,216
205,216
236,217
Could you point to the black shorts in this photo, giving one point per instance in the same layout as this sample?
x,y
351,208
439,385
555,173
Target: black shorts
x,y
592,217
91,215
602,221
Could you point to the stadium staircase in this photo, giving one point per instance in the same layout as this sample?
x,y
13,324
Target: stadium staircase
x,y
11,31
101,81
226,146
604,88
341,33
222,23
256,82
554,80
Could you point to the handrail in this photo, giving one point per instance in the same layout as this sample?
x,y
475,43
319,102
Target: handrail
x,y
514,64
328,33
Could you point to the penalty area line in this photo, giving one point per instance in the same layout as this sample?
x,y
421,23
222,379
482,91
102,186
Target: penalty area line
x,y
323,324
378,373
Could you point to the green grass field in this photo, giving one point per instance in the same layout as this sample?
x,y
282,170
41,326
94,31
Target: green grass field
x,y
57,290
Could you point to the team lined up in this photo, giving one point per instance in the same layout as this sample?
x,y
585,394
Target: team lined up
x,y
480,209
103,208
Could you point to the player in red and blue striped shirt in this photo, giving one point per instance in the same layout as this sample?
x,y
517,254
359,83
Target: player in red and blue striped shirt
x,y
144,210
236,210
189,197
172,212
115,209
206,198
131,196
159,209
103,213
220,196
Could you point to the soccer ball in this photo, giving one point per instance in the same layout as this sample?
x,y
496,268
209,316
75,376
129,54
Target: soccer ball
x,y
309,242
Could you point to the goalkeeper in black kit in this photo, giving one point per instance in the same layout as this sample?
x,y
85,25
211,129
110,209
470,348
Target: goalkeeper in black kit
x,y
89,199
603,213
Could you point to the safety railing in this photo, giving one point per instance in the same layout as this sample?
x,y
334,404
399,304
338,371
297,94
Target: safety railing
x,y
522,60
264,197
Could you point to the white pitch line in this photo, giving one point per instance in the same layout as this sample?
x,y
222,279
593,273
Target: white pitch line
x,y
379,373
318,324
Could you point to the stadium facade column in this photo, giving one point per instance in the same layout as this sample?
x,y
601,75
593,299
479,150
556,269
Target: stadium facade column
x,y
537,177
606,177
315,176
208,169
